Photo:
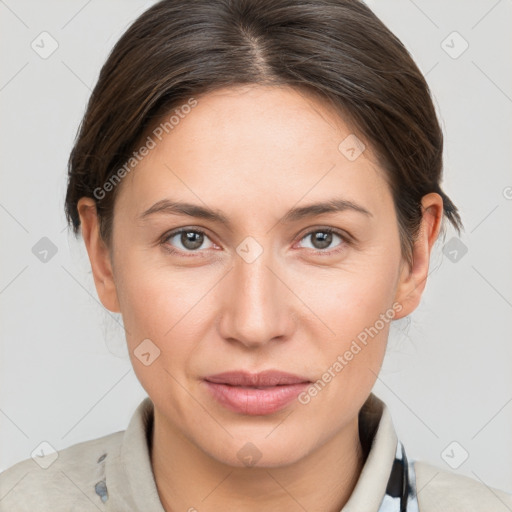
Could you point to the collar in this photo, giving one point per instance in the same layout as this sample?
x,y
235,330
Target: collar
x,y
386,482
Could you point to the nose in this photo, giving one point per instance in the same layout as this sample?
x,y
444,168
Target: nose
x,y
257,305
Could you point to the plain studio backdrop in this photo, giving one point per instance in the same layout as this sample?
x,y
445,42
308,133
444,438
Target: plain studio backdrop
x,y
65,375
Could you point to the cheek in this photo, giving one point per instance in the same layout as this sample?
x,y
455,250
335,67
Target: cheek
x,y
158,305
153,296
364,298
357,305
358,308
352,298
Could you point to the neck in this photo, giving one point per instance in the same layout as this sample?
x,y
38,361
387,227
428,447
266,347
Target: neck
x,y
189,479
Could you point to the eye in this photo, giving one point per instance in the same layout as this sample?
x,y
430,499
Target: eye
x,y
191,240
322,239
187,240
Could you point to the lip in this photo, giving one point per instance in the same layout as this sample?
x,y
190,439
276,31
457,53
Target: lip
x,y
255,394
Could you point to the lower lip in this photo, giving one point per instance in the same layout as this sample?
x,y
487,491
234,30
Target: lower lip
x,y
255,401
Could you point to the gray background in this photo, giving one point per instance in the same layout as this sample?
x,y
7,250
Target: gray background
x,y
65,375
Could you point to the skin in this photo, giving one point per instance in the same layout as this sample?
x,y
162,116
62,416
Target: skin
x,y
254,153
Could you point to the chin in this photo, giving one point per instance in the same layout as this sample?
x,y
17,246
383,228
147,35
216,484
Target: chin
x,y
258,450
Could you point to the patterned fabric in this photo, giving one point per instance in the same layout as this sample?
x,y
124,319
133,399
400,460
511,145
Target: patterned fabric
x,y
401,489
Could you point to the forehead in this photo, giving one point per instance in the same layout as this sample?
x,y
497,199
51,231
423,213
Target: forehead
x,y
255,145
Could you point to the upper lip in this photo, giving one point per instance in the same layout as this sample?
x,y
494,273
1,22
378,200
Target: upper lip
x,y
261,379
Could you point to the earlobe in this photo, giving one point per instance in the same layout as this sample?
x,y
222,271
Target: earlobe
x,y
413,278
99,254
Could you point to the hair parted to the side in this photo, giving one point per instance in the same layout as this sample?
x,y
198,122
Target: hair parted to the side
x,y
337,49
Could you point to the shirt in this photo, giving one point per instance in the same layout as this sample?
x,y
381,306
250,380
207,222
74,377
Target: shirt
x,y
113,473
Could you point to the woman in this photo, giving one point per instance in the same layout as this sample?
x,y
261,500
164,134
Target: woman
x,y
257,184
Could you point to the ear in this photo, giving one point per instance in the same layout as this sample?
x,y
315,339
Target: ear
x,y
413,277
99,254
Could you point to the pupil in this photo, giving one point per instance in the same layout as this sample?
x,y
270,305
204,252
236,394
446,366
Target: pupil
x,y
323,239
191,239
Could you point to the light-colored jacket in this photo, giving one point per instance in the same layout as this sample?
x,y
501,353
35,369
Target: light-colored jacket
x,y
113,473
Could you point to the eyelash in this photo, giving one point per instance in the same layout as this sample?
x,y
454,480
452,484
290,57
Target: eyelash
x,y
345,241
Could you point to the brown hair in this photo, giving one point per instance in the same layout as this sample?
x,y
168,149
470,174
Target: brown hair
x,y
337,49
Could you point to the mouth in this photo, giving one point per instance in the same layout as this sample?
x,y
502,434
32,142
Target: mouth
x,y
255,394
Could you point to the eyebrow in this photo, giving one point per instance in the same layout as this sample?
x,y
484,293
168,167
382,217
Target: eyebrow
x,y
169,207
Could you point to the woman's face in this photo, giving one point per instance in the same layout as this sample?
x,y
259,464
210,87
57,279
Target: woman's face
x,y
259,283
